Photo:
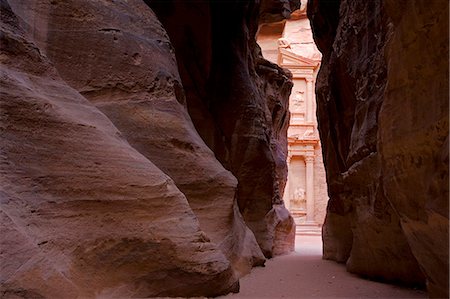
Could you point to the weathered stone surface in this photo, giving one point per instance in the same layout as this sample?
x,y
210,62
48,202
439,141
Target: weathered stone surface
x,y
83,213
383,117
276,227
126,68
282,230
237,101
291,45
413,134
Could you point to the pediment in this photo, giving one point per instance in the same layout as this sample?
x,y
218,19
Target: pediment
x,y
289,58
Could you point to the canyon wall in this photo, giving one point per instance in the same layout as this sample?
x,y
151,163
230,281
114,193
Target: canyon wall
x,y
107,188
83,214
135,83
382,96
238,103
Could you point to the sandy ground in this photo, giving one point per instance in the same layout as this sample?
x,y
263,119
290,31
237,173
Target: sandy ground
x,y
304,274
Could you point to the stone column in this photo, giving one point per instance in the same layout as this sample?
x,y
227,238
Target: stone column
x,y
309,100
287,189
309,161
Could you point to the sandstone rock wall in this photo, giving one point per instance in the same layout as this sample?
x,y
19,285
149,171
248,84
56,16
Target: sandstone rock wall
x,y
126,68
414,130
238,103
382,97
107,188
83,214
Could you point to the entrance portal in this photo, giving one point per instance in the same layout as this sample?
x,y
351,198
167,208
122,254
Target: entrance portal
x,y
290,44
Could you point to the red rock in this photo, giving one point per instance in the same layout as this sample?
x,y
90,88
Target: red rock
x,y
383,116
238,104
413,136
83,213
129,72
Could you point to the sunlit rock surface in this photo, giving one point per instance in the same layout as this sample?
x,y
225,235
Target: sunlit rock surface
x,y
383,117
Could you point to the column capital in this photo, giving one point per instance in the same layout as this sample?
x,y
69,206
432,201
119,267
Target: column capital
x,y
309,159
308,79
289,158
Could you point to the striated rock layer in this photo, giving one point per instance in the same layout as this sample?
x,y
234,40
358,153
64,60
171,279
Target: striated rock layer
x,y
238,103
83,214
382,97
127,69
107,188
414,132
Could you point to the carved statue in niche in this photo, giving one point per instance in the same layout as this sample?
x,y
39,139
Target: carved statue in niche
x,y
298,100
299,198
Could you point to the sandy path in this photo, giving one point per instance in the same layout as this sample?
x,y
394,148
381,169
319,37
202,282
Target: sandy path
x,y
304,274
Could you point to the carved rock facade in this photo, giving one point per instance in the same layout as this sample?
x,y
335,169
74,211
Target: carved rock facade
x,y
290,44
382,97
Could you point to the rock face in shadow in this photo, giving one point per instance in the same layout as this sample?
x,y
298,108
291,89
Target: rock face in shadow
x,y
414,130
127,69
238,103
83,214
382,97
107,188
272,11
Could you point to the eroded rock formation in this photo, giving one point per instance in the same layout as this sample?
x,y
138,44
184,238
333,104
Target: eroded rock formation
x,y
107,188
135,82
238,103
382,97
83,213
